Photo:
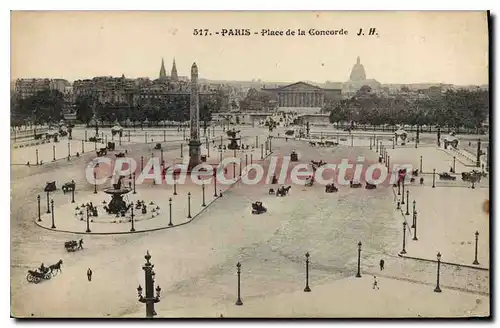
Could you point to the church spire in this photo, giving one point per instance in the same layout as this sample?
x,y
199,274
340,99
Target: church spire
x,y
163,73
173,75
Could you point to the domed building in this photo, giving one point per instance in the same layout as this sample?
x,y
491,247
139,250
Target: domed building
x,y
357,79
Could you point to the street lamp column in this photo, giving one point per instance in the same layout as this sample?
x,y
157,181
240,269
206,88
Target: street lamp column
x,y
238,301
358,275
48,203
307,289
149,300
203,194
404,238
39,212
476,262
88,223
52,206
170,212
407,202
415,225
189,205
438,289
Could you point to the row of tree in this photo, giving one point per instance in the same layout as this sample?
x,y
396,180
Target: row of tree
x,y
47,106
460,108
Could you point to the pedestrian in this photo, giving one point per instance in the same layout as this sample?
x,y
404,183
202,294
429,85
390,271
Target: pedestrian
x,y
375,283
382,262
80,244
89,274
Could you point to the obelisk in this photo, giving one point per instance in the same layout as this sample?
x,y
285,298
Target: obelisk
x,y
194,117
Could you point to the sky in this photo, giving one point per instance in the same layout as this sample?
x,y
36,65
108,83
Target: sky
x,y
411,47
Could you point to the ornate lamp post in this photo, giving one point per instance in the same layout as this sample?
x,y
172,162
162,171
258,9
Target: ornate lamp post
x,y
403,193
52,206
404,238
203,194
251,158
132,228
88,220
479,152
407,202
182,150
238,301
307,289
133,175
53,153
48,203
476,262
453,168
399,187
73,192
420,164
261,151
215,183
39,212
189,205
433,178
175,186
414,211
36,152
142,163
170,212
415,225
438,289
358,275
149,300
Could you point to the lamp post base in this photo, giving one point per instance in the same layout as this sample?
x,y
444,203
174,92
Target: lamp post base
x,y
415,238
475,262
239,302
402,252
307,289
358,275
437,289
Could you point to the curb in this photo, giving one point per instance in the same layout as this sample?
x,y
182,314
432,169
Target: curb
x,y
152,229
442,262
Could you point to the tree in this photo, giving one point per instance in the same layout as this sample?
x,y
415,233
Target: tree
x,y
84,108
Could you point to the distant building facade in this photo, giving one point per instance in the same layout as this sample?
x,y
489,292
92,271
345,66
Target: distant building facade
x,y
301,96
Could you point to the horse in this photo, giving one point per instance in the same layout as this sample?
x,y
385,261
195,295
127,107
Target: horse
x,y
312,143
271,191
370,186
414,173
54,268
355,184
331,188
283,191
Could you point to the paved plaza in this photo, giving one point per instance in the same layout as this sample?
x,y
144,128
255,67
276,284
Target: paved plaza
x,y
195,259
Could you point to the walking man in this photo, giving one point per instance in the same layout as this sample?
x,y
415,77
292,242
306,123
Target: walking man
x,y
375,283
89,274
382,262
80,244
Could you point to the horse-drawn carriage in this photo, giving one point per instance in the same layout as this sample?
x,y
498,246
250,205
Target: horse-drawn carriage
x,y
35,276
158,146
330,188
473,176
43,272
95,139
446,176
450,140
102,152
289,133
294,157
258,208
50,187
283,191
355,184
73,245
111,146
68,186
370,186
120,154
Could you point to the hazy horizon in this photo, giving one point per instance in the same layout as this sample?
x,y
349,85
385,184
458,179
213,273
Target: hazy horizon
x,y
412,47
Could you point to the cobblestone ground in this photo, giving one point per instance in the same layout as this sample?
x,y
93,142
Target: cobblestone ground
x,y
195,264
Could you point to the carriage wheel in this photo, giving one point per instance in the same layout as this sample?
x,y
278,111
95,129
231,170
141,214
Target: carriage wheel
x,y
29,277
48,276
36,279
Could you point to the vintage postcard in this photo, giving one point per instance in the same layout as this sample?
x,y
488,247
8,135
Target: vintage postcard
x,y
250,164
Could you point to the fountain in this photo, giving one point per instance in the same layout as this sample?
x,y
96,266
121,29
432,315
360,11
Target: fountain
x,y
117,204
231,136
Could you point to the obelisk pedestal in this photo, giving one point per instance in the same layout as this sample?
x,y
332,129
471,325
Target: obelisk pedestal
x,y
194,117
